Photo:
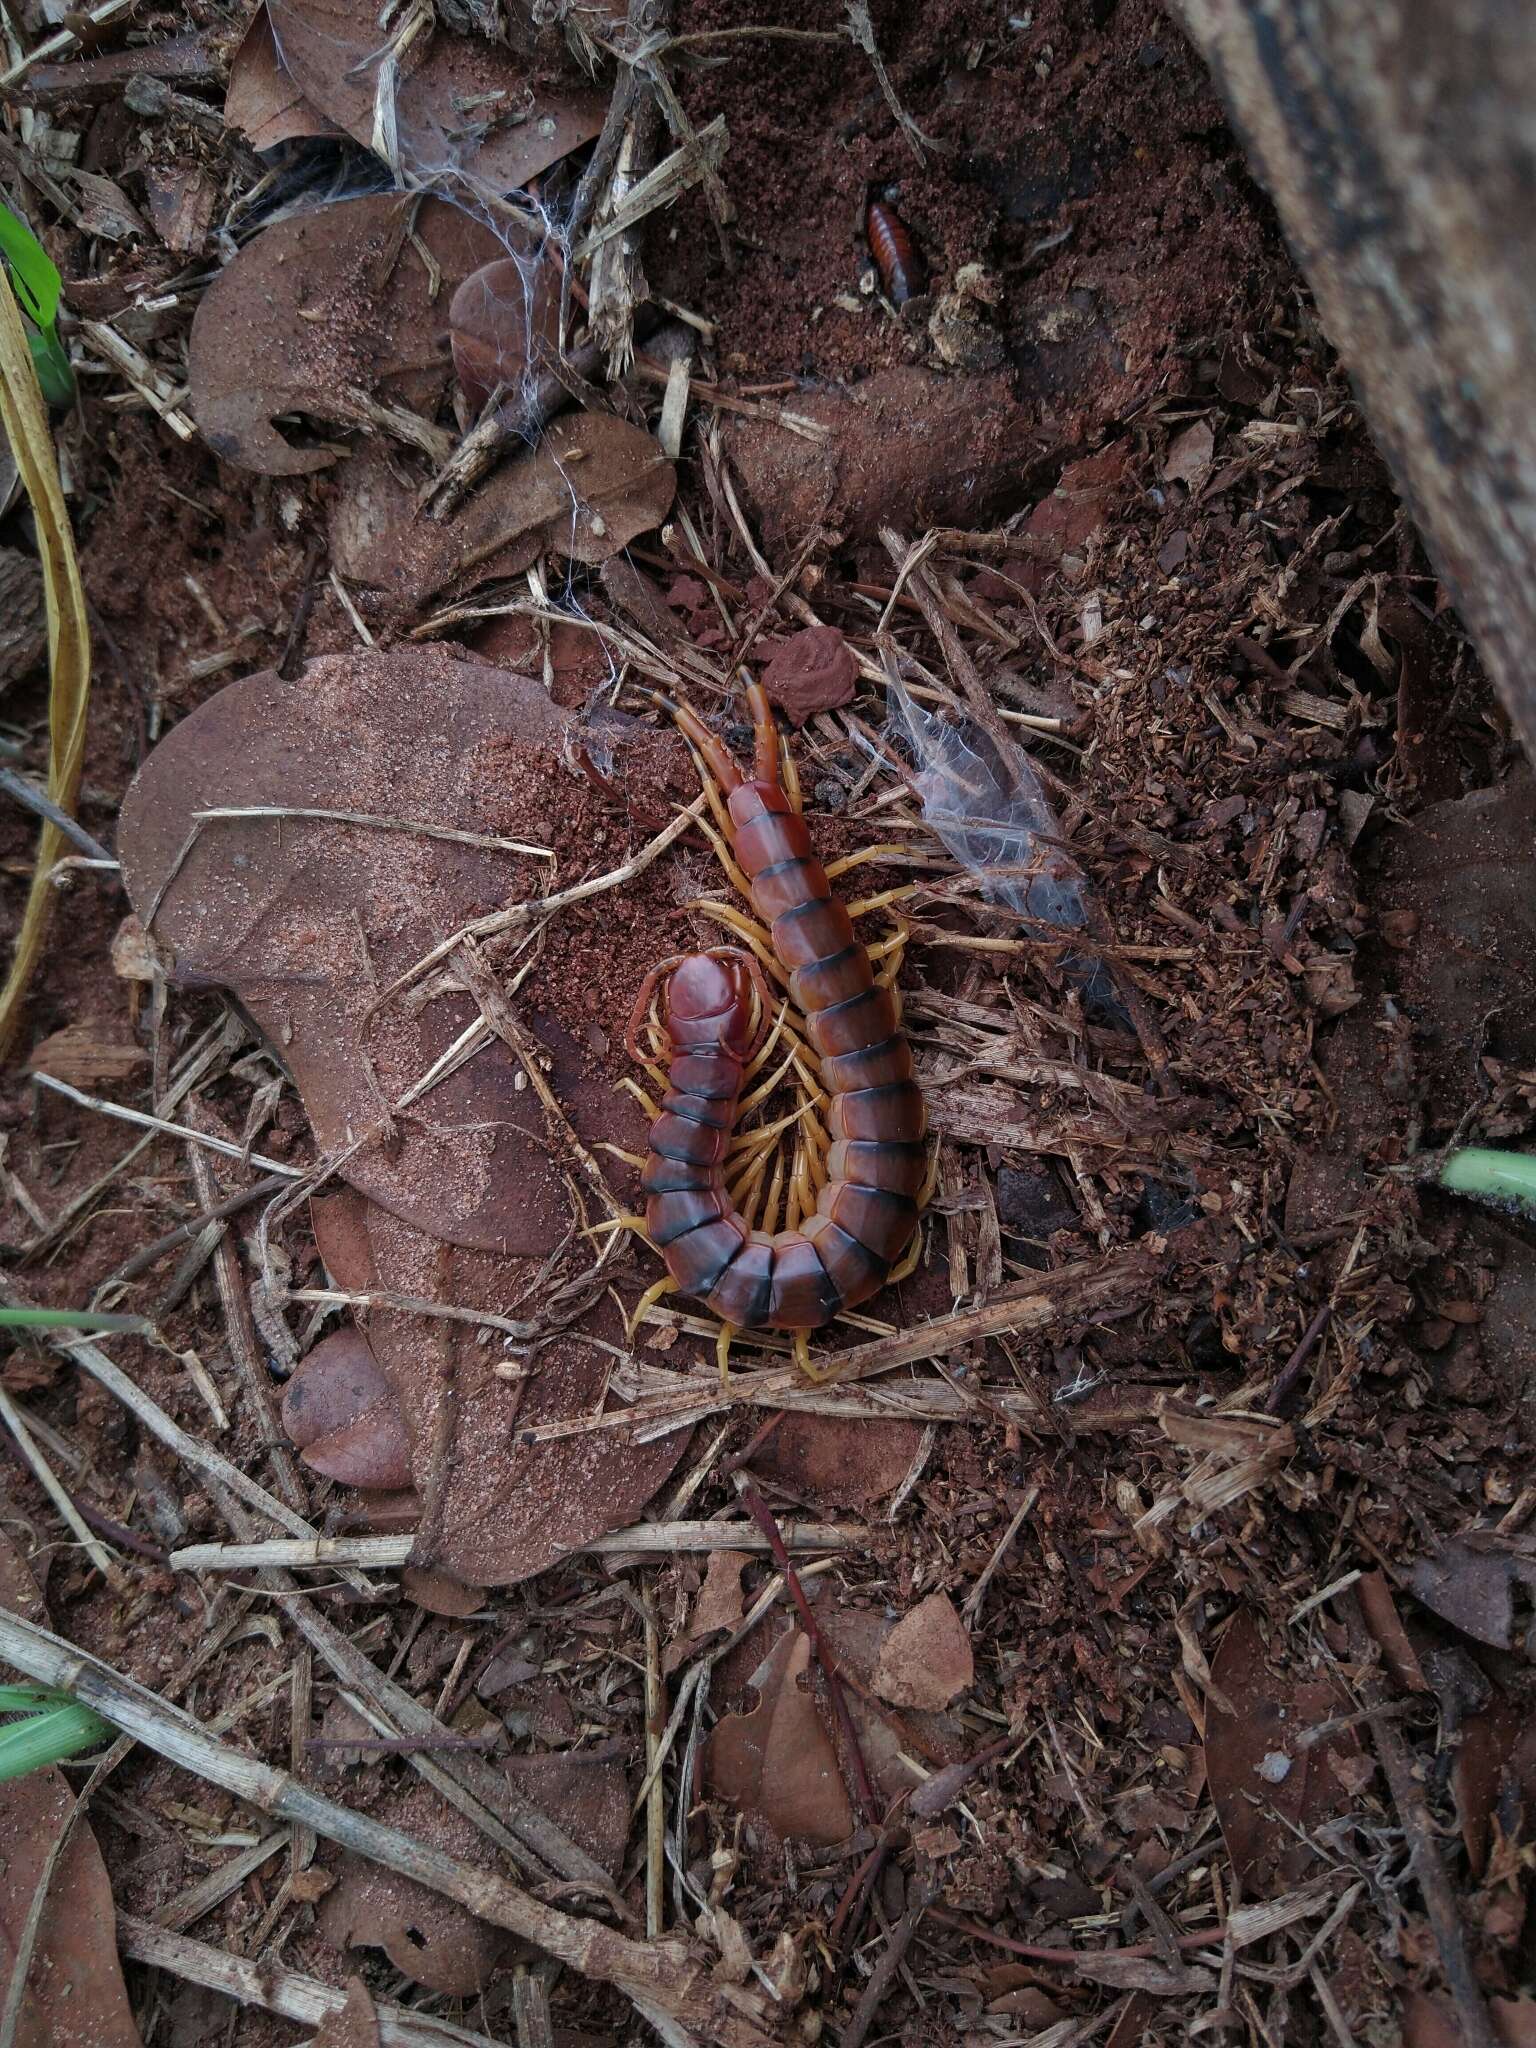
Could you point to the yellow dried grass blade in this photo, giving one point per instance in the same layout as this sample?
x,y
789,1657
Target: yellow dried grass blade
x,y
25,420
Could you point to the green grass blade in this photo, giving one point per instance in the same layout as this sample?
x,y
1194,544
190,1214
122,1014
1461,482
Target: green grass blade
x,y
1505,1177
72,1319
48,1738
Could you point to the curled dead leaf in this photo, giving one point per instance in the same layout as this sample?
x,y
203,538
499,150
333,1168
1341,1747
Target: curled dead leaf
x,y
445,107
501,315
348,297
777,1763
262,103
591,485
341,1412
813,670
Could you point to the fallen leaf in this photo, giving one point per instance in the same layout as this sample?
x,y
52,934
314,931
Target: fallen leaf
x,y
461,108
926,1660
592,484
84,1054
307,921
1474,1588
440,1944
262,103
341,1412
1263,1809
353,2025
721,1601
776,1763
832,1462
1431,2021
813,670
333,299
501,314
75,1984
1189,454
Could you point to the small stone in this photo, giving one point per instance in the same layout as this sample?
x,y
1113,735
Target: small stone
x,y
1275,1767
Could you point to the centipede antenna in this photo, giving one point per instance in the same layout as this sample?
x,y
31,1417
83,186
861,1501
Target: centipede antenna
x,y
790,775
698,734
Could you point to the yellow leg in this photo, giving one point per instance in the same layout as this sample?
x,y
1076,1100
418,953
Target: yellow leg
x,y
651,1107
747,1139
654,1293
906,1265
722,850
883,901
746,930
764,1089
626,1222
790,775
930,1179
761,1057
802,1355
711,788
774,1196
723,1352
634,1159
883,851
745,1194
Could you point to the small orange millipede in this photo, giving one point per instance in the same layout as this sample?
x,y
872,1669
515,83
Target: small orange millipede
x,y
865,1212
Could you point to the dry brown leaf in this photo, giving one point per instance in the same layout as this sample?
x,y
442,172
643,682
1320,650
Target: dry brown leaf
x,y
776,1763
433,1941
336,299
341,1412
926,1660
1265,1786
721,1600
1432,2022
354,2025
23,626
1473,1587
308,920
832,1462
499,317
1385,1624
591,485
75,1990
459,105
262,102
1189,454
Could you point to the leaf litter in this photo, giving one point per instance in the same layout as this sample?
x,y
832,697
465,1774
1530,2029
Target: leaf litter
x,y
1218,1409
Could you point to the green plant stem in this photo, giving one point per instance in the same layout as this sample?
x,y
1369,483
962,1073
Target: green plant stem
x,y
71,1319
1502,1177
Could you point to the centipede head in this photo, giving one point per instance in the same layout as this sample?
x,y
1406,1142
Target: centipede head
x,y
719,996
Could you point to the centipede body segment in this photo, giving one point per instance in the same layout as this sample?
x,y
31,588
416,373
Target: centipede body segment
x,y
867,1210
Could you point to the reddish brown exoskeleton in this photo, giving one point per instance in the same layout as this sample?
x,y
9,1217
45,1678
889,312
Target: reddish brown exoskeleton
x,y
866,1211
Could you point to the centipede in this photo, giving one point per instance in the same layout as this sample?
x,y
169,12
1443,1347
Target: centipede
x,y
714,1011
901,268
